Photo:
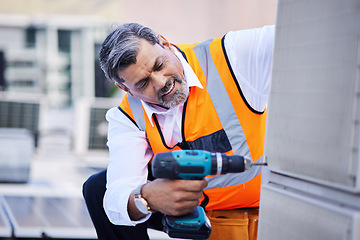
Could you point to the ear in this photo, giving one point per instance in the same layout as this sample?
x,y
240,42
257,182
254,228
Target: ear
x,y
123,87
164,42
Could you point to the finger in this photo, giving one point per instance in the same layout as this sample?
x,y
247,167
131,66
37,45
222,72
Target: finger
x,y
193,185
186,196
184,207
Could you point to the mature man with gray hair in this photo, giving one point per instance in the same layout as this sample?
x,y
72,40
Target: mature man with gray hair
x,y
209,96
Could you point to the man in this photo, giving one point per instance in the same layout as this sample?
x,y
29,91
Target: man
x,y
209,96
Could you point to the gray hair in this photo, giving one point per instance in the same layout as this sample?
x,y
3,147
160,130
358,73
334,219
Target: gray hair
x,y
121,46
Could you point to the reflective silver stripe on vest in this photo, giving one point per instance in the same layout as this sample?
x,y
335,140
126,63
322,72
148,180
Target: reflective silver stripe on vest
x,y
137,111
227,116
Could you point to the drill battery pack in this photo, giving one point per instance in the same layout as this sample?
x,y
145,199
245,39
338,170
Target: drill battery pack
x,y
194,225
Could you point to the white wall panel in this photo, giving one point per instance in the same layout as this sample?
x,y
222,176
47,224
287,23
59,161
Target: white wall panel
x,y
313,120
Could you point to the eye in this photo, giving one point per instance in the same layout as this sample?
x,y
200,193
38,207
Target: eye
x,y
159,65
143,84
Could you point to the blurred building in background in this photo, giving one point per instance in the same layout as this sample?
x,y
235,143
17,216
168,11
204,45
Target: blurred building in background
x,y
54,96
49,49
55,56
52,47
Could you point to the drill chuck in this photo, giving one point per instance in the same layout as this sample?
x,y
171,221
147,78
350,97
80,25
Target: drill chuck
x,y
222,164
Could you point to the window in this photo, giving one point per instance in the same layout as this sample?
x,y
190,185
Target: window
x,y
30,37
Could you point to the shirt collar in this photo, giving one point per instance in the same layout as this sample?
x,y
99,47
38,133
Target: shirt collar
x,y
192,81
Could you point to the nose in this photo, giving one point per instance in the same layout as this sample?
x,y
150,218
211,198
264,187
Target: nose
x,y
159,80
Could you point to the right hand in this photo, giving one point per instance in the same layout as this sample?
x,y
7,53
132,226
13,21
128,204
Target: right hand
x,y
173,197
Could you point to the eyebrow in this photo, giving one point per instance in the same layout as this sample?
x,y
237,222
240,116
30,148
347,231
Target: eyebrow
x,y
145,79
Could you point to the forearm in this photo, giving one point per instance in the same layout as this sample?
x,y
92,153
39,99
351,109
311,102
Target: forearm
x,y
128,159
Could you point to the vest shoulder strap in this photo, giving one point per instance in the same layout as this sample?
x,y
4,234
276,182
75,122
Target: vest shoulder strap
x,y
205,52
132,108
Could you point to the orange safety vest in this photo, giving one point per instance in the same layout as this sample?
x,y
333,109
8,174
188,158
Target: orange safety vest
x,y
216,118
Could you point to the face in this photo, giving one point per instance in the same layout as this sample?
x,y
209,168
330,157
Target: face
x,y
157,76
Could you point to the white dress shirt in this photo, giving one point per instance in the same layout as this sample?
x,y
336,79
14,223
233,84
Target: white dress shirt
x,y
250,56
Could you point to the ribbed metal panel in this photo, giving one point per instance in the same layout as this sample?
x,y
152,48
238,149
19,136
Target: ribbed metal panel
x,y
313,121
286,214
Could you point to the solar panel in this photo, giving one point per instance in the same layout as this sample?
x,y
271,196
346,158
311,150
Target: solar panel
x,y
15,163
55,217
19,110
5,228
91,125
19,115
98,128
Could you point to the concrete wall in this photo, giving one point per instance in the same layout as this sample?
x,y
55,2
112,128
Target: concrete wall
x,y
182,21
189,21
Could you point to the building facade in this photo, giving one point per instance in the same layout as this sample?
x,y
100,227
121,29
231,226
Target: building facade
x,y
56,56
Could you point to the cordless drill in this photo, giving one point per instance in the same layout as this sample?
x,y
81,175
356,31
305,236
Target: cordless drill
x,y
194,165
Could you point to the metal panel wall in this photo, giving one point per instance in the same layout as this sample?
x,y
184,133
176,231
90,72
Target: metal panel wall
x,y
294,215
312,141
313,120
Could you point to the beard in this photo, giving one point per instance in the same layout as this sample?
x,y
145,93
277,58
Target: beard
x,y
178,97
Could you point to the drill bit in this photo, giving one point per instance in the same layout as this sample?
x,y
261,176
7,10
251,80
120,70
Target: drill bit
x,y
249,163
259,164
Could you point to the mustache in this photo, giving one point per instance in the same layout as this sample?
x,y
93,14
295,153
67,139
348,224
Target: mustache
x,y
169,83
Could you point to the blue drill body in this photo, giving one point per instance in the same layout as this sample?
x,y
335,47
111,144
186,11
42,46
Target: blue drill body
x,y
193,165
